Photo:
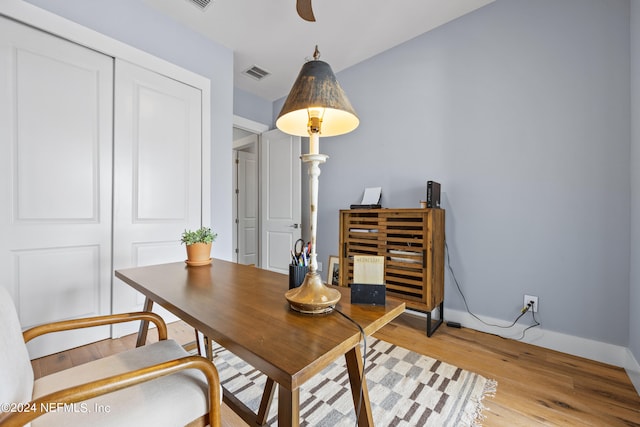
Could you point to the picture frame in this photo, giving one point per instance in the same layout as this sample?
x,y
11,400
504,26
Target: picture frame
x,y
333,271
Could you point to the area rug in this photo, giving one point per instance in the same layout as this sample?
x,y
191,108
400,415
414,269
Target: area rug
x,y
405,389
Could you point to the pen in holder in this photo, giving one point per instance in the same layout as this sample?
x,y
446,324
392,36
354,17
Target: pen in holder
x,y
296,275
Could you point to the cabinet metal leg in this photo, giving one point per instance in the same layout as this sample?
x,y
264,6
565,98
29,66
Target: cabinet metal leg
x,y
432,328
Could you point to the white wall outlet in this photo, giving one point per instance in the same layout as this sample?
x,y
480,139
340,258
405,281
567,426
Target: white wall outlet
x,y
319,266
529,298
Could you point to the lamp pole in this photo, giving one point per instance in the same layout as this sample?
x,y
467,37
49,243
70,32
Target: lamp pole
x,y
313,296
313,162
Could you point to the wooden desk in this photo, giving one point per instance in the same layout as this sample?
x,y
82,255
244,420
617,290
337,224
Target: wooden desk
x,y
243,308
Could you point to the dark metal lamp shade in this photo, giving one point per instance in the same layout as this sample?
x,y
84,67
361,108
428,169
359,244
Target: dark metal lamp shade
x,y
317,92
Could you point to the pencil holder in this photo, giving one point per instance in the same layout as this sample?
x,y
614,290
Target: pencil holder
x,y
296,275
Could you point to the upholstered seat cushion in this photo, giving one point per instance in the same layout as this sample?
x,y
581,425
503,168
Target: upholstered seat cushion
x,y
16,374
174,400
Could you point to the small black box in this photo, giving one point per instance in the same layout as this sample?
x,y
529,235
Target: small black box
x,y
433,194
368,294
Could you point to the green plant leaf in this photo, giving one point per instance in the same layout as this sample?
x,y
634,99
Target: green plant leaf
x,y
201,235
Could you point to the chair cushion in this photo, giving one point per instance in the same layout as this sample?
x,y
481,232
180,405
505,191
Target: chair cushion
x,y
16,372
173,400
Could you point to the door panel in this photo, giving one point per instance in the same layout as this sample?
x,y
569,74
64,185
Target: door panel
x,y
281,198
40,119
75,271
164,162
55,181
247,208
158,170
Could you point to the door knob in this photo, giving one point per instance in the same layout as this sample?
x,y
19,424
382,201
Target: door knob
x,y
294,226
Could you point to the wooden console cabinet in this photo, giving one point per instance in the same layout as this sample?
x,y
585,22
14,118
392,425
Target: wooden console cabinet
x,y
412,242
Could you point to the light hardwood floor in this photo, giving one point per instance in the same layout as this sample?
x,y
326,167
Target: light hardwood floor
x,y
536,387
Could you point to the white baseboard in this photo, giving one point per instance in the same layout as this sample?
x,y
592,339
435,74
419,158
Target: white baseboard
x,y
633,370
590,349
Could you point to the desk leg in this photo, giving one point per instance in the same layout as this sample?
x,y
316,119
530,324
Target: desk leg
x,y
265,403
356,378
208,347
144,324
288,407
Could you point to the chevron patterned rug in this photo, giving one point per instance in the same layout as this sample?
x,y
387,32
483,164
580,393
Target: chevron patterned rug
x,y
405,389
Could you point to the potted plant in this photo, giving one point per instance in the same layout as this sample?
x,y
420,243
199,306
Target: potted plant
x,y
198,245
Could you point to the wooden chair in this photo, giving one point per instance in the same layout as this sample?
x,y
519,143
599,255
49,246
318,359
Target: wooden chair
x,y
157,384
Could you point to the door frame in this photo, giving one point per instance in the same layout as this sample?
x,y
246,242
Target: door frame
x,y
247,144
256,128
249,125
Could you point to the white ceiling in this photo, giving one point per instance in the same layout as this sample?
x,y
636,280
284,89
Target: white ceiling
x,y
271,35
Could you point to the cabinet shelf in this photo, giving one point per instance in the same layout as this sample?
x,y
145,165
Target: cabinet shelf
x,y
412,243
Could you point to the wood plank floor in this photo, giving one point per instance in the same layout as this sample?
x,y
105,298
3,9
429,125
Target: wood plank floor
x,y
536,387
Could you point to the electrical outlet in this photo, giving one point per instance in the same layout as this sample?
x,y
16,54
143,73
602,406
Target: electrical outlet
x,y
529,298
319,266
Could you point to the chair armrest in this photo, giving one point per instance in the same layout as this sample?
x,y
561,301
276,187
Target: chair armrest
x,y
88,322
93,389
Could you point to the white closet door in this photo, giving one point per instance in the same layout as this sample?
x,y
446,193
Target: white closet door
x,y
157,174
55,181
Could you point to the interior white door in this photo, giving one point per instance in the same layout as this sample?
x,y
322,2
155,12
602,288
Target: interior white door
x,y
247,196
55,181
280,198
157,174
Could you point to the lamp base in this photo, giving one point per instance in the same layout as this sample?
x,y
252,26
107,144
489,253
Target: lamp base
x,y
313,296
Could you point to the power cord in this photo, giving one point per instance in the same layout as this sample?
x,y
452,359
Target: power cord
x,y
533,314
466,305
364,362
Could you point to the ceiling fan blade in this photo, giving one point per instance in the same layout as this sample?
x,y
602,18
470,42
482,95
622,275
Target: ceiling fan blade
x,y
304,10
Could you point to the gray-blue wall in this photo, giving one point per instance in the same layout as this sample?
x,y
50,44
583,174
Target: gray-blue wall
x,y
634,299
521,111
252,107
135,23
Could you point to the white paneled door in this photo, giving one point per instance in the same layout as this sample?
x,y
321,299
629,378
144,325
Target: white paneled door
x,y
247,210
55,181
280,202
157,174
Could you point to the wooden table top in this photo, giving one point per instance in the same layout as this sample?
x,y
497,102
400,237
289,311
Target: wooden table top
x,y
243,308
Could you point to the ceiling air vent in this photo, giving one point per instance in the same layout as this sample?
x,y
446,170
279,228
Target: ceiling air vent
x,y
256,72
202,4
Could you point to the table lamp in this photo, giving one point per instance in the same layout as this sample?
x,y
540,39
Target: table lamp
x,y
316,106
